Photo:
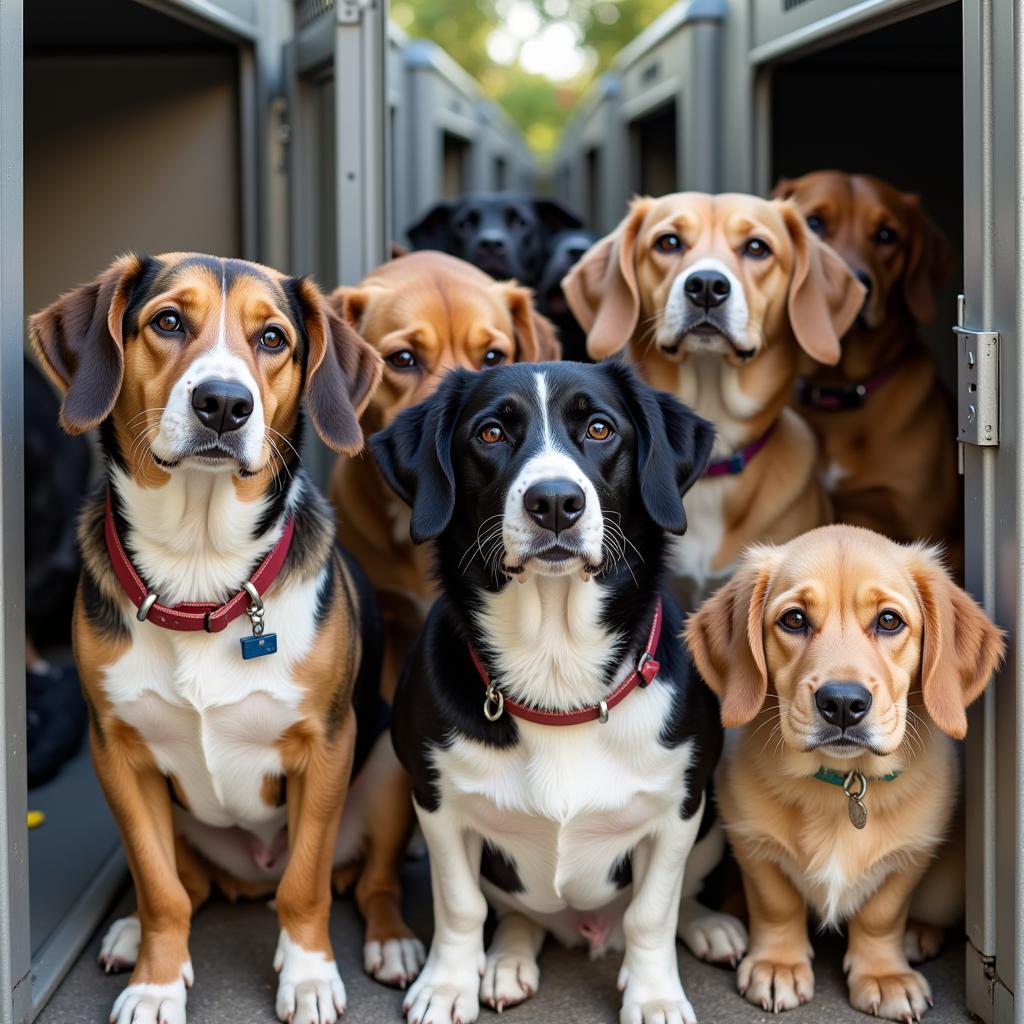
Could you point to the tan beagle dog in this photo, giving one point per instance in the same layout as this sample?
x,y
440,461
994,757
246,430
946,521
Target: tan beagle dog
x,y
844,663
219,631
715,297
425,313
883,419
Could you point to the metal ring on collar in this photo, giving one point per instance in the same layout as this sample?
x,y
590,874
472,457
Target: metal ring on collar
x,y
493,696
254,594
862,782
144,608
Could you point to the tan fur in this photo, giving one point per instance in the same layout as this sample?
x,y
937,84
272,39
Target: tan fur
x,y
892,460
790,832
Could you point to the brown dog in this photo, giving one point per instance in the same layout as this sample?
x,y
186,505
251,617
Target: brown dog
x,y
845,662
425,313
883,419
716,296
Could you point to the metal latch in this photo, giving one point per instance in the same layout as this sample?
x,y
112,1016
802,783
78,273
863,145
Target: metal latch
x,y
977,377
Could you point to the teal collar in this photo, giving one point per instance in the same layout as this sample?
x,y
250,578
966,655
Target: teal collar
x,y
836,779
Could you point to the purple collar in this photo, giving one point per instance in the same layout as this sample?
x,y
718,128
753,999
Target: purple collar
x,y
839,397
737,462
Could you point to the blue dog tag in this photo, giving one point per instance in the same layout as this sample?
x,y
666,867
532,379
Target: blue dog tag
x,y
257,646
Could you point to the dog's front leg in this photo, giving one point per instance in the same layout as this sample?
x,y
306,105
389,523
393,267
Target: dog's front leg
x,y
309,987
447,990
649,979
139,797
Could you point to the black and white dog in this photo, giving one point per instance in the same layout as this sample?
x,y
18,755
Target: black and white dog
x,y
559,742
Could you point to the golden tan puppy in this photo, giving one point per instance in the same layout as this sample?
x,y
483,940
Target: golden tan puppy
x,y
844,662
716,296
883,419
425,313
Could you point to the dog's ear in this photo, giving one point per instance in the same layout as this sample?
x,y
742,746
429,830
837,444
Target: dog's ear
x,y
726,638
79,343
350,303
784,189
342,370
824,294
960,648
431,230
535,337
601,289
554,216
929,262
672,449
414,455
398,250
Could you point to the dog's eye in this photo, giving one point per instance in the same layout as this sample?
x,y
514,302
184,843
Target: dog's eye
x,y
599,431
757,249
491,434
668,243
886,236
167,321
493,357
889,622
793,620
272,339
817,225
403,359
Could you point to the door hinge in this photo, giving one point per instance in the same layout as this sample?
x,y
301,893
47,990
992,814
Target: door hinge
x,y
350,12
977,384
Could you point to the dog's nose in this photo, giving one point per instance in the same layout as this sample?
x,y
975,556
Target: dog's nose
x,y
865,279
492,245
843,704
222,405
555,504
707,288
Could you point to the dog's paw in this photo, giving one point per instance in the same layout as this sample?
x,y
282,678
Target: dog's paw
x,y
717,938
394,961
120,946
444,994
658,1000
148,1003
509,978
903,996
773,985
922,941
309,988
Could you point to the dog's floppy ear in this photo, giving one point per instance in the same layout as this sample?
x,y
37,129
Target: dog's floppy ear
x,y
431,230
554,216
601,289
824,294
960,647
398,250
342,370
79,342
784,189
350,302
672,448
929,263
414,455
726,638
535,337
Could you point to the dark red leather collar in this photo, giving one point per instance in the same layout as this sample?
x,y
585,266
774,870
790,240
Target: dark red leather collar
x,y
740,460
839,397
495,702
191,616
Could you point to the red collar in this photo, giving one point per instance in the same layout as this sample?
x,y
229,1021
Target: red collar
x,y
739,461
839,397
495,702
191,616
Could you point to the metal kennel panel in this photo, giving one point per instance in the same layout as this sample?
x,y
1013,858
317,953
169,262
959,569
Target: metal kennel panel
x,y
601,177
402,169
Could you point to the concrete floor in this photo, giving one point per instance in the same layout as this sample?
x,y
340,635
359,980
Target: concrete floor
x,y
232,947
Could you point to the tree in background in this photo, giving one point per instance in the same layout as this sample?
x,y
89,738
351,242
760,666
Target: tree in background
x,y
535,57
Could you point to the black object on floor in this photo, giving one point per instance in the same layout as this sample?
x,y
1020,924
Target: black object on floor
x,y
55,720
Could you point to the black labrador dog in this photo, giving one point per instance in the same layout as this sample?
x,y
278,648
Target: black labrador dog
x,y
565,251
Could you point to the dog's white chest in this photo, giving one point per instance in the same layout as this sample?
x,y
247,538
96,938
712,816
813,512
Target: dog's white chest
x,y
693,553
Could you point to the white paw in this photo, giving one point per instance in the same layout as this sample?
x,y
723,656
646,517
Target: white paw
x,y
717,938
146,1003
508,979
394,962
309,988
120,946
660,1001
444,994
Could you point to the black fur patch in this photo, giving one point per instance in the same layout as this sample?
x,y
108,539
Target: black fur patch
x,y
500,870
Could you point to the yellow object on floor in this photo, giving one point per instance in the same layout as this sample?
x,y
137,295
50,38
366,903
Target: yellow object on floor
x,y
35,819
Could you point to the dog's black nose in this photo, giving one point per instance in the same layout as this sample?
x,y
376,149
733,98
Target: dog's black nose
x,y
222,405
843,704
865,279
492,245
707,288
555,504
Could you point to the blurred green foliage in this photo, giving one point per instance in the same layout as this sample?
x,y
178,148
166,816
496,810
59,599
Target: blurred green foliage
x,y
539,105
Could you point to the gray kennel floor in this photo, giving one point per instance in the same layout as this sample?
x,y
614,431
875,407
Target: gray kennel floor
x,y
232,947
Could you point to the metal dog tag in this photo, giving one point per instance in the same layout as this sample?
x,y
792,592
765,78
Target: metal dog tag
x,y
855,798
260,643
858,812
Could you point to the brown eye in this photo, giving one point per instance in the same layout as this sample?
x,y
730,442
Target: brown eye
x,y
272,339
793,620
491,434
494,358
817,225
403,359
168,322
599,431
889,622
668,243
886,236
757,249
